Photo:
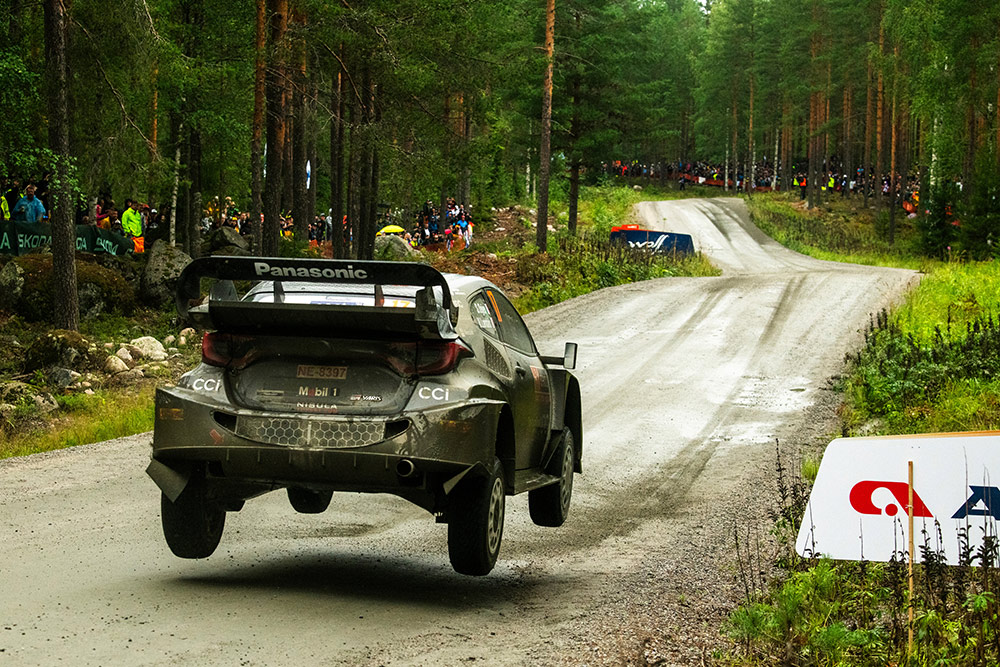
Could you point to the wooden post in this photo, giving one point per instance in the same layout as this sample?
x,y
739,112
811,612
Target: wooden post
x,y
909,514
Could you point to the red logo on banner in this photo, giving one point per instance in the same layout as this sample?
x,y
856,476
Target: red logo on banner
x,y
861,499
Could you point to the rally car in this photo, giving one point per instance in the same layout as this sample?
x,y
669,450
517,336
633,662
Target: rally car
x,y
379,377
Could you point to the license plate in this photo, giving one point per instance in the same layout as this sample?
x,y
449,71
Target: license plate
x,y
321,372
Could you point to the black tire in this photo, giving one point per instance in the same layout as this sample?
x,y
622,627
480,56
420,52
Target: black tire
x,y
549,505
475,523
192,525
307,501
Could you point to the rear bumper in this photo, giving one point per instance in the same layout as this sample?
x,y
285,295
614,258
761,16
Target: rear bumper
x,y
442,444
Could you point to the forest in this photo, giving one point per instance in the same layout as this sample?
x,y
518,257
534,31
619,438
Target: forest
x,y
392,103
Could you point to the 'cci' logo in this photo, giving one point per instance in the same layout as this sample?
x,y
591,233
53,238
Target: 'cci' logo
x,y
861,499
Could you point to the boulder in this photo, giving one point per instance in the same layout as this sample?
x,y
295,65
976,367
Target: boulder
x,y
393,247
59,348
113,365
231,251
149,348
227,238
125,378
101,289
124,355
163,268
11,284
45,403
92,302
63,377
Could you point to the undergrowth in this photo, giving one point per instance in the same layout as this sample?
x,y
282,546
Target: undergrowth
x,y
578,265
934,364
931,365
841,230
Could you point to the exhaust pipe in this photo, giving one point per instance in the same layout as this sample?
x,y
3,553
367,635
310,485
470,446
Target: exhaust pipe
x,y
405,468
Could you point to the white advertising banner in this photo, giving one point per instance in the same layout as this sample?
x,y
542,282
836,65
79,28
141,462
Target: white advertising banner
x,y
858,506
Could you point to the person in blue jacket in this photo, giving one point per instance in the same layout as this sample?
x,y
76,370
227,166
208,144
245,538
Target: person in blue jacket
x,y
28,208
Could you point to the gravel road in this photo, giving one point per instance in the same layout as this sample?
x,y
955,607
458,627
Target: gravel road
x,y
687,383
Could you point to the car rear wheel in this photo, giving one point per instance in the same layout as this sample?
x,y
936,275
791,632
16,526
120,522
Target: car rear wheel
x,y
307,501
192,525
475,523
549,505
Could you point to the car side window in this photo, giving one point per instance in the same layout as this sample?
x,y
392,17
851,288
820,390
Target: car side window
x,y
482,316
512,328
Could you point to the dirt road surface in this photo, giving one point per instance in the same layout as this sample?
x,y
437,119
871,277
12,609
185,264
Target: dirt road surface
x,y
687,382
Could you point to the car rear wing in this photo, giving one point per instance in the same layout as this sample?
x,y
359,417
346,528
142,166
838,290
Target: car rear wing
x,y
433,317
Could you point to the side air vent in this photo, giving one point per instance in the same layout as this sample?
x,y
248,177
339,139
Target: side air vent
x,y
495,361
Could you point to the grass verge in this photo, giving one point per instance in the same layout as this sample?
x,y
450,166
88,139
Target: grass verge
x,y
84,419
931,365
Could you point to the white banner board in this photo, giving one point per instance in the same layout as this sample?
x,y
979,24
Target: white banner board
x,y
858,506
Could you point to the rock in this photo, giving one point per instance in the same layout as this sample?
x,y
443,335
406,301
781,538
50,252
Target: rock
x,y
492,256
182,341
637,188
169,340
227,238
7,411
163,268
109,346
59,348
231,251
187,332
45,403
393,247
150,348
125,356
86,385
92,302
125,378
134,350
172,351
63,377
88,392
114,365
11,285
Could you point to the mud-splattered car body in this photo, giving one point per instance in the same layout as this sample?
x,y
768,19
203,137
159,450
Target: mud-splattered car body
x,y
363,376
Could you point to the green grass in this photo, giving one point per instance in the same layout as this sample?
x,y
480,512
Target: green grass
x,y
840,231
85,419
931,365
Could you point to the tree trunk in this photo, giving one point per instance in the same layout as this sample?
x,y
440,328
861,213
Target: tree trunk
x,y
544,152
879,121
354,179
300,152
192,221
275,128
65,307
869,122
337,162
172,226
257,126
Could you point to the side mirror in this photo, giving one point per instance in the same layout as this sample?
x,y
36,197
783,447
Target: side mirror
x,y
569,356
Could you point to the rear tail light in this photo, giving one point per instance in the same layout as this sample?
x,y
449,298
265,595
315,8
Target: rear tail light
x,y
427,357
228,350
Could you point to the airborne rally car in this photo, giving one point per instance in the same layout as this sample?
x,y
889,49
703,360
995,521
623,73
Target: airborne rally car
x,y
363,376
